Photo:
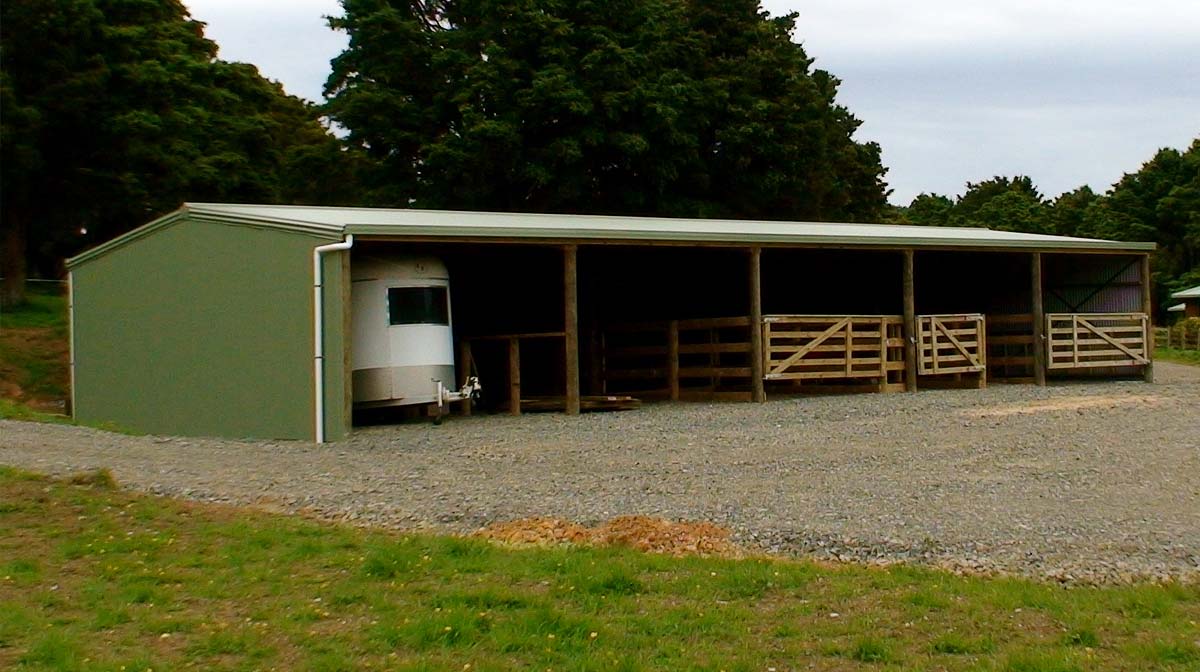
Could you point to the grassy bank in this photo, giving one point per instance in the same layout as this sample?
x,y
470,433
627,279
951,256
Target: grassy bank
x,y
92,577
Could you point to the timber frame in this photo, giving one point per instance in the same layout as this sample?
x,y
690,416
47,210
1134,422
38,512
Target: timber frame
x,y
743,356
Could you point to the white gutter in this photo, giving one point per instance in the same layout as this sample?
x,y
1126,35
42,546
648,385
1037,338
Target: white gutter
x,y
71,335
319,332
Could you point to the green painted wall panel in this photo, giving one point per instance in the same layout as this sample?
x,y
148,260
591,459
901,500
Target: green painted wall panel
x,y
205,329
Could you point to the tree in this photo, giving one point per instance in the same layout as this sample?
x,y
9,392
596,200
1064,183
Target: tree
x,y
699,108
1164,198
115,111
929,210
969,209
1068,211
1011,211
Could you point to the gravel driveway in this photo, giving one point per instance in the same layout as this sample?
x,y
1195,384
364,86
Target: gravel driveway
x,y
1081,482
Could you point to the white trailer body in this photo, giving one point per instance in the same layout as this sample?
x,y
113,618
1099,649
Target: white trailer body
x,y
403,342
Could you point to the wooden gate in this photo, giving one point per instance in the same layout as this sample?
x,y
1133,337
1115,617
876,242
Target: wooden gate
x,y
1080,341
816,347
951,344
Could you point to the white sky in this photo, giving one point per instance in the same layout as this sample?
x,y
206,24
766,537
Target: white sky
x,y
1069,92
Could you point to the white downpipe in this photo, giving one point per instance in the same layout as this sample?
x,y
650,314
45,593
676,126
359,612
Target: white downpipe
x,y
319,331
71,336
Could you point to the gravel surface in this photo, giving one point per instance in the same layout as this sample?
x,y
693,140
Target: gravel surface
x,y
1092,482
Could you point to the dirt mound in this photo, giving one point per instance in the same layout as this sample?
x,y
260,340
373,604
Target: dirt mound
x,y
536,531
651,535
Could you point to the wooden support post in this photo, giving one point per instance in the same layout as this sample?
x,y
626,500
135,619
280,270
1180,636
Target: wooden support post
x,y
464,369
910,324
1148,309
758,392
673,359
983,354
1039,322
514,375
571,325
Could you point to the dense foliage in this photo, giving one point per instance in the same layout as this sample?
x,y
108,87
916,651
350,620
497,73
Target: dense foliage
x,y
701,108
115,111
1159,203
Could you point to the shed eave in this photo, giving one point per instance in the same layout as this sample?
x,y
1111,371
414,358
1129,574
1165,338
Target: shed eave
x,y
391,231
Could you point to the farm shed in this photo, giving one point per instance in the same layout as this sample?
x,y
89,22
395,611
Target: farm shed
x,y
238,320
1189,304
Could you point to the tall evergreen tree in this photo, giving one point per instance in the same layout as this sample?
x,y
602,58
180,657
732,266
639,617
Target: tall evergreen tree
x,y
656,107
115,111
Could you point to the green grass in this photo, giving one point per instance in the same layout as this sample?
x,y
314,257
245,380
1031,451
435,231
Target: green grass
x,y
93,577
1176,355
12,410
45,307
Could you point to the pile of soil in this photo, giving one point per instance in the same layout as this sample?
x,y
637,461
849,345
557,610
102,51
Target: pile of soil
x,y
651,535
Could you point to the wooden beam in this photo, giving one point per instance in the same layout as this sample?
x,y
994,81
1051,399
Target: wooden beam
x,y
571,325
910,324
1148,309
1039,320
514,376
758,392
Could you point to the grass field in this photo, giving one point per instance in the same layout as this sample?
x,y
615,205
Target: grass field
x,y
95,578
1175,355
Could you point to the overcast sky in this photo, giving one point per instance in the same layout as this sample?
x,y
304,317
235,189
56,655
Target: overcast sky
x,y
1069,92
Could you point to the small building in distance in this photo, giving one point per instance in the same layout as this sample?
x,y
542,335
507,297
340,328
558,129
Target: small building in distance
x,y
1189,302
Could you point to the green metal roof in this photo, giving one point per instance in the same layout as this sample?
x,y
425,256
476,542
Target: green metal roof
x,y
400,223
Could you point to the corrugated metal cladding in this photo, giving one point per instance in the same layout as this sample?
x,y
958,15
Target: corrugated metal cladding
x,y
1100,284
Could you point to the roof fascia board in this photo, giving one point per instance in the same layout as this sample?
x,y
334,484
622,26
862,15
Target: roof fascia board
x,y
187,212
126,238
483,234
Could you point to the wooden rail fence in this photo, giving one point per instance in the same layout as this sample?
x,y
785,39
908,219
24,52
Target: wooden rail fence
x,y
951,344
1176,338
826,347
1090,340
679,359
1010,347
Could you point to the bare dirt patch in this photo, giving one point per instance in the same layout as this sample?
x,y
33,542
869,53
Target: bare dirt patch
x,y
34,365
644,533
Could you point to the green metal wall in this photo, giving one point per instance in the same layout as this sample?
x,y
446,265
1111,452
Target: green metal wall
x,y
205,329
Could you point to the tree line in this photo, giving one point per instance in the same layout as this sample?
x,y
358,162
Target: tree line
x,y
1158,203
116,111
